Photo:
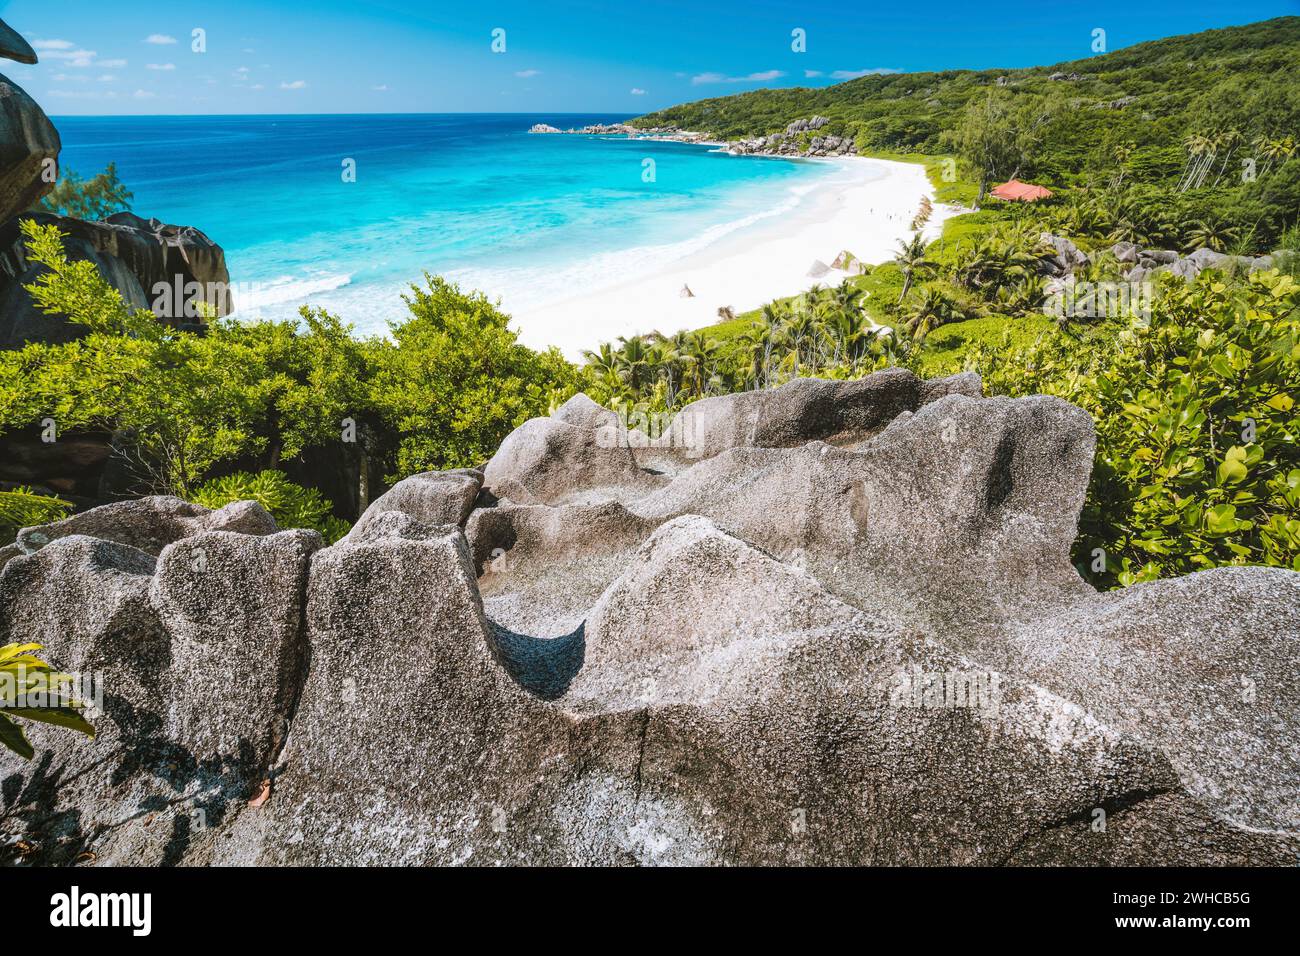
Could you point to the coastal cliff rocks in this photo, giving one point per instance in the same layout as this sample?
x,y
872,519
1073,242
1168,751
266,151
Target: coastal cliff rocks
x,y
537,461
1065,257
797,139
29,143
434,498
13,46
833,622
198,655
29,148
150,524
169,269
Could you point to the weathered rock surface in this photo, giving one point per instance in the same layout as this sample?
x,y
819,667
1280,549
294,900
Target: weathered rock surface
x,y
839,625
150,524
13,46
200,657
434,498
169,269
29,146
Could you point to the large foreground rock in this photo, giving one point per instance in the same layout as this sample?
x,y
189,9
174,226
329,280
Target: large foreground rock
x,y
29,148
829,623
171,270
199,656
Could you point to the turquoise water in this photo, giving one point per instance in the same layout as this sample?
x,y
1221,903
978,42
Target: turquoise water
x,y
532,219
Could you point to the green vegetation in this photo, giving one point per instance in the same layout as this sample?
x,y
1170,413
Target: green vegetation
x,y
1197,461
95,198
1173,133
291,505
448,387
31,690
23,508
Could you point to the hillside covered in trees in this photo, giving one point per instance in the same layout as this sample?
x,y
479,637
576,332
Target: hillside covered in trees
x,y
1176,115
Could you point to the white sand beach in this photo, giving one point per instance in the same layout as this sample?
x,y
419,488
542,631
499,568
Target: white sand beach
x,y
865,207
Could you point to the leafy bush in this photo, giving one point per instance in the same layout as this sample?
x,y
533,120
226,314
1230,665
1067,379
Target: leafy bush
x,y
95,198
23,508
445,391
31,690
291,505
455,381
1197,461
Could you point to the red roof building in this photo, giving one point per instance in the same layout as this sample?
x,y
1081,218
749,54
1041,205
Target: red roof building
x,y
1016,191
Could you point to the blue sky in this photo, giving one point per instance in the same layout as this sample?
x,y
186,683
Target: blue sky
x,y
331,56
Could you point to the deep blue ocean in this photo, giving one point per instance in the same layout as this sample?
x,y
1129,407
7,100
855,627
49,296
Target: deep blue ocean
x,y
531,219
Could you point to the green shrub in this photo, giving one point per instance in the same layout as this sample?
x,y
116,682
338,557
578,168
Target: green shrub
x,y
95,198
31,690
23,508
291,505
1197,462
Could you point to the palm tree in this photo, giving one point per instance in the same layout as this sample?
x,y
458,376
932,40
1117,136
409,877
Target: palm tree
x,y
632,364
799,333
756,346
1228,141
701,353
1274,150
931,309
603,361
1214,235
911,258
1201,151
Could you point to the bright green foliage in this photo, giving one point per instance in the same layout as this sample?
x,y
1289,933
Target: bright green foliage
x,y
1182,141
23,508
31,690
291,505
455,380
449,387
1197,458
95,198
176,393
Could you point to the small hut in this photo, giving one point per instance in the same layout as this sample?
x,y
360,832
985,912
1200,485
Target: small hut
x,y
1016,191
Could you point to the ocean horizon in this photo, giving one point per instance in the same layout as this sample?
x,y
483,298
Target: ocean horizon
x,y
526,218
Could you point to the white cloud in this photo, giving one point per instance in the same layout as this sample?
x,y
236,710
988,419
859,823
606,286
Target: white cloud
x,y
81,94
854,74
73,57
381,88
159,39
764,77
295,85
809,74
106,78
70,78
161,66
527,74
144,94
257,86
637,91
68,54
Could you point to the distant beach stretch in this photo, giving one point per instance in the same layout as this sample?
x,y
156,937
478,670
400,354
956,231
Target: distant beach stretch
x,y
865,206
569,232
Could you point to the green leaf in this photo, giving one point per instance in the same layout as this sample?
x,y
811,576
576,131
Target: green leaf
x,y
67,717
13,738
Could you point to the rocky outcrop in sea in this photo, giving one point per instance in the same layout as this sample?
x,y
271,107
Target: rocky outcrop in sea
x,y
799,138
829,623
153,265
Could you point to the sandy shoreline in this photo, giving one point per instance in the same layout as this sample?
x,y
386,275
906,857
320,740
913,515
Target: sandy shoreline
x,y
865,206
